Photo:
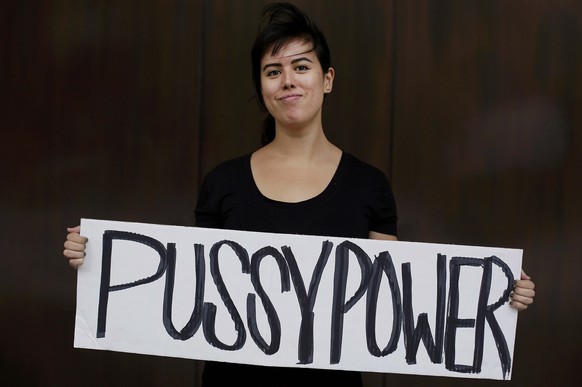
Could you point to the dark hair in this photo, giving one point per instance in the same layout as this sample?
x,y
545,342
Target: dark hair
x,y
281,23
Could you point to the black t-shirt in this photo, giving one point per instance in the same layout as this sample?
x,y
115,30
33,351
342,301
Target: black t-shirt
x,y
357,200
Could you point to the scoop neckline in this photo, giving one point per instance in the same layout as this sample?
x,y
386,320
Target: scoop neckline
x,y
328,190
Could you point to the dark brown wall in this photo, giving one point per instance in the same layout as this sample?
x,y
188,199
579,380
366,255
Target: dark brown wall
x,y
115,109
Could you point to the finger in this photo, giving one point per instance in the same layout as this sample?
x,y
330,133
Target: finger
x,y
524,276
518,305
76,262
524,292
73,254
525,284
74,246
75,237
521,299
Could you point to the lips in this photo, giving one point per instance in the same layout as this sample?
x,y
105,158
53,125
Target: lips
x,y
290,97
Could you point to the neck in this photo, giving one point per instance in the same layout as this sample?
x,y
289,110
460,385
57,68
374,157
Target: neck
x,y
302,143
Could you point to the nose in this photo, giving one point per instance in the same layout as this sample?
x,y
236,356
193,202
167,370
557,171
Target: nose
x,y
288,82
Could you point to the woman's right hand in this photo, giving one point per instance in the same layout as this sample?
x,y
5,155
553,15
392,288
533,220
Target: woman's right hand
x,y
75,247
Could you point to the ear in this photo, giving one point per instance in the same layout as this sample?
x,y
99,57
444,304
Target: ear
x,y
328,80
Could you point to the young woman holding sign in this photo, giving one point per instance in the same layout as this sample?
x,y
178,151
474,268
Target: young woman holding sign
x,y
298,181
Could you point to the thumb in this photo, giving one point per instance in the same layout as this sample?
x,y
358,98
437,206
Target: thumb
x,y
76,229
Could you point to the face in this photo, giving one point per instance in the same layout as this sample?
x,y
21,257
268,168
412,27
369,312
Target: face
x,y
293,84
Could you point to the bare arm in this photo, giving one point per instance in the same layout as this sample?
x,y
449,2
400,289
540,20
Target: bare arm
x,y
379,235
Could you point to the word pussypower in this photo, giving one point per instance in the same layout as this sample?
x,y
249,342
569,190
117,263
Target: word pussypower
x,y
440,345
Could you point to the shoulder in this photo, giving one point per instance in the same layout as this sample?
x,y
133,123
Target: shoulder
x,y
361,169
218,184
367,179
228,168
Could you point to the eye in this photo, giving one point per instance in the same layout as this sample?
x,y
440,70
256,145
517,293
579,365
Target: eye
x,y
273,73
301,68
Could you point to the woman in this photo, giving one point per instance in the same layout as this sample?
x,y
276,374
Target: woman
x,y
298,181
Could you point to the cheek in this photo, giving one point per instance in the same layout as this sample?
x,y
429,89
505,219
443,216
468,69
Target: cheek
x,y
268,93
315,83
267,89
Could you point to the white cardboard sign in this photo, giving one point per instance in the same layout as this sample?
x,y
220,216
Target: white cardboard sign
x,y
297,300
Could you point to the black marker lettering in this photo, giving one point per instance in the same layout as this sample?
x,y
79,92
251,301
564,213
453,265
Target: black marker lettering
x,y
209,313
446,321
498,335
412,335
193,324
272,317
383,264
453,320
307,300
484,312
340,279
106,287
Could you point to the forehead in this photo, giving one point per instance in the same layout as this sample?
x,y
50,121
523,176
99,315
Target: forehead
x,y
290,50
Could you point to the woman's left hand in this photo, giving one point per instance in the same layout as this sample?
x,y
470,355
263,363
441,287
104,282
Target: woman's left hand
x,y
523,292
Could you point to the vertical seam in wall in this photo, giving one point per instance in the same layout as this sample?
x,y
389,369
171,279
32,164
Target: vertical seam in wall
x,y
392,92
200,97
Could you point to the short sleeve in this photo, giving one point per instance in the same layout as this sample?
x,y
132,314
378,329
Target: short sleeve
x,y
384,216
207,212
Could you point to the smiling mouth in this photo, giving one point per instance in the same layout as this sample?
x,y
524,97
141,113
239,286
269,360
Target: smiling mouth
x,y
290,97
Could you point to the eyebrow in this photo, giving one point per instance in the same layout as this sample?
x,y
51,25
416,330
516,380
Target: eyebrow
x,y
303,58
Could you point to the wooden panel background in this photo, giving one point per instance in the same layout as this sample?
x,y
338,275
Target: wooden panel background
x,y
115,109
